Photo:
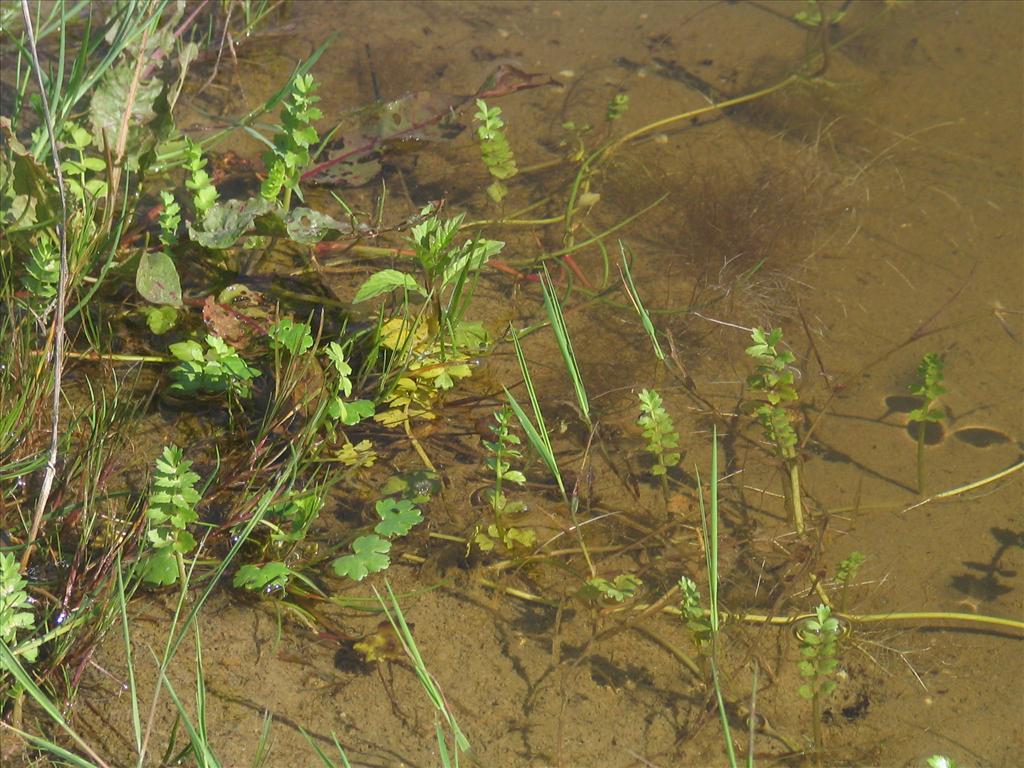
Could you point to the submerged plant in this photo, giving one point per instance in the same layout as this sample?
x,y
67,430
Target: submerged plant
x,y
370,553
289,156
693,613
42,273
199,183
617,106
15,608
495,149
819,642
929,387
773,379
622,587
501,449
171,509
216,369
846,572
660,433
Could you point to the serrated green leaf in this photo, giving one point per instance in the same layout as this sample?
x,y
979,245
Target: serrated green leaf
x,y
160,567
385,281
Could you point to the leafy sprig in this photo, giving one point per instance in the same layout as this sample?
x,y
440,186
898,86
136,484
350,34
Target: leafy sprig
x,y
290,154
216,369
495,149
171,509
659,431
693,614
500,450
170,218
15,606
617,106
622,587
42,272
819,641
929,387
199,183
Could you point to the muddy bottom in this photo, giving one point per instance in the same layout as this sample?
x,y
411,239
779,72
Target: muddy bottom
x,y
874,214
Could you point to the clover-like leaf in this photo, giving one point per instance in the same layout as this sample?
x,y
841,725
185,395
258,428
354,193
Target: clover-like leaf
x,y
397,517
369,555
258,577
624,586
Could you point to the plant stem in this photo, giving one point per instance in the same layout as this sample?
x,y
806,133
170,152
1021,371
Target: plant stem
x,y
816,727
920,454
793,495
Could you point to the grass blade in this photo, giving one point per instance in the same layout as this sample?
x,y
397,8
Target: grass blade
x,y
537,435
554,310
634,298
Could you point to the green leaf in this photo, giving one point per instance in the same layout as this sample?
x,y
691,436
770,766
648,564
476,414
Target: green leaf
x,y
160,567
370,555
157,279
295,337
350,413
397,517
624,586
385,281
225,223
259,577
188,351
161,319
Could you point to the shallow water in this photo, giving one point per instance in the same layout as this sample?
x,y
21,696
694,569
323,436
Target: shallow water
x,y
874,214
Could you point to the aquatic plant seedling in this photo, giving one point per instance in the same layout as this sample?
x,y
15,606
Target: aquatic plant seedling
x,y
289,156
846,572
500,450
171,509
370,552
693,614
622,587
709,527
773,379
660,433
617,107
15,608
554,311
929,387
634,299
199,183
818,638
495,149
217,369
